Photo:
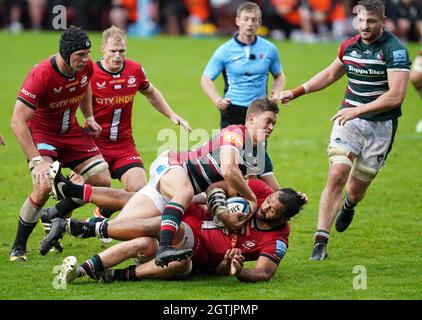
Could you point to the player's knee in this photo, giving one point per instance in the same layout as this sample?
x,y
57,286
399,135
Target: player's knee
x,y
102,179
336,181
41,191
135,186
363,172
144,246
96,172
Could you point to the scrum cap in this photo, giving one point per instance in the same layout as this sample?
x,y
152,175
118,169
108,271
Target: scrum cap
x,y
73,39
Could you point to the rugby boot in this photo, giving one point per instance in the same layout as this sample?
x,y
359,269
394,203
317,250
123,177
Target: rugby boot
x,y
344,219
46,223
18,253
320,252
58,228
167,254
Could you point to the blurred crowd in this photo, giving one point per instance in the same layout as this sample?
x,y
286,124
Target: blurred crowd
x,y
299,20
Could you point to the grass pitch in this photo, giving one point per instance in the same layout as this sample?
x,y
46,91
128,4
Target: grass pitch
x,y
384,239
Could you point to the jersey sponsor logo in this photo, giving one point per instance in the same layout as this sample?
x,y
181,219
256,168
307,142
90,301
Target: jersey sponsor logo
x,y
355,54
365,71
232,138
101,85
115,100
380,55
281,249
67,102
248,244
399,56
58,90
117,81
28,94
131,80
72,84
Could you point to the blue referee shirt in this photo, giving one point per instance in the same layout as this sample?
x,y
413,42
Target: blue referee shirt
x,y
245,69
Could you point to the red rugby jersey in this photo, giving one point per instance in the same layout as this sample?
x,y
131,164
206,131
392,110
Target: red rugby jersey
x,y
112,98
54,96
253,241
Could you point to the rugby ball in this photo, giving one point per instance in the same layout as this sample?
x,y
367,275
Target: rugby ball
x,y
235,204
238,204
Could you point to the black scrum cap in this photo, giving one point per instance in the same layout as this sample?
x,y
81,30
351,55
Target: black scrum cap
x,y
73,39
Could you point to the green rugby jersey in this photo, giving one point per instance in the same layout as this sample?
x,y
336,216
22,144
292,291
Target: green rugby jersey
x,y
366,67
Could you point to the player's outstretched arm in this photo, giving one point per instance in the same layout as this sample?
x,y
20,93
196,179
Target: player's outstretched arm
x,y
318,82
156,99
263,271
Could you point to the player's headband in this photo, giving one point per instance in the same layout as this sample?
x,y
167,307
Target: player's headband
x,y
73,39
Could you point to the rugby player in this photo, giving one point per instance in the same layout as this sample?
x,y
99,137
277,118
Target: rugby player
x,y
377,66
115,83
245,61
263,239
175,178
46,128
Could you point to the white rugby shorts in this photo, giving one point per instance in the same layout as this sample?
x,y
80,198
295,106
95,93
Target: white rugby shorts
x,y
368,140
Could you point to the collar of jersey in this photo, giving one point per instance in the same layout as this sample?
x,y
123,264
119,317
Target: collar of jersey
x,y
56,68
100,65
244,44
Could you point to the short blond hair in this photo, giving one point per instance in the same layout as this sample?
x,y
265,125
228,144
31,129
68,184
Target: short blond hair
x,y
114,33
248,6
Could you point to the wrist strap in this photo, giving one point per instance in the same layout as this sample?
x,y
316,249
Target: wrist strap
x,y
34,161
299,91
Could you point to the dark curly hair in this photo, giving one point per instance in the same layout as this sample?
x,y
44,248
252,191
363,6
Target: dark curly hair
x,y
292,200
